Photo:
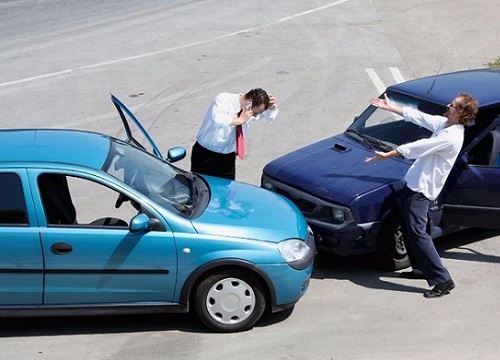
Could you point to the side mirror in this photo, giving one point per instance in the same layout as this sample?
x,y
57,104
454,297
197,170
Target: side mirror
x,y
176,153
139,223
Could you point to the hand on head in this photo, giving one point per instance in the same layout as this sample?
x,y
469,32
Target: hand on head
x,y
272,102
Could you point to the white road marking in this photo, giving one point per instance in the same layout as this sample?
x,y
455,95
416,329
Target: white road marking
x,y
376,80
311,11
163,51
396,74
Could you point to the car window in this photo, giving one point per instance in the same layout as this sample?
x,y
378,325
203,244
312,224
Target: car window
x,y
486,151
12,203
79,202
390,128
162,182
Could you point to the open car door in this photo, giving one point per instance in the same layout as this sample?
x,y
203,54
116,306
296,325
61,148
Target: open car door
x,y
132,125
131,122
473,198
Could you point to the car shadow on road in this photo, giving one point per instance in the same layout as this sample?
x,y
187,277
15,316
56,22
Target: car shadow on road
x,y
83,325
53,326
362,271
116,324
458,246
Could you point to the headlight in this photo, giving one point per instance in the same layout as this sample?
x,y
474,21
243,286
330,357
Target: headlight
x,y
266,184
293,250
338,216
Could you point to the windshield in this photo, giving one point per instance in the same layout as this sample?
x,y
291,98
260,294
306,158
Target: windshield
x,y
162,182
385,130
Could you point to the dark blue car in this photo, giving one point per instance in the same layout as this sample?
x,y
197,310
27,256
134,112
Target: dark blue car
x,y
352,206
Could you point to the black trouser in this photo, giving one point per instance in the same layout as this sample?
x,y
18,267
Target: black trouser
x,y
204,161
419,244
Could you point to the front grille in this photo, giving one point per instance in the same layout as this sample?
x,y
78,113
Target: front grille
x,y
312,207
303,205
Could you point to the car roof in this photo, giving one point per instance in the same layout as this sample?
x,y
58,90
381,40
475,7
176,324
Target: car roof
x,y
54,146
483,84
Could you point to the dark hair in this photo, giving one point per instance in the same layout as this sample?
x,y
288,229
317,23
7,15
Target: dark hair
x,y
468,108
258,97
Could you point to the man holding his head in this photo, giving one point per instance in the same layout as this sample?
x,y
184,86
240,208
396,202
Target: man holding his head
x,y
220,137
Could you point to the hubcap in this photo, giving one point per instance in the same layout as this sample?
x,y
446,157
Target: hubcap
x,y
399,245
230,301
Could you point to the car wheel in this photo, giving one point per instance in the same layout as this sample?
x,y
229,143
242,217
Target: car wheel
x,y
229,301
390,253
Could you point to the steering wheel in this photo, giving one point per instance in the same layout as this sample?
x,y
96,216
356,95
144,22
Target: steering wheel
x,y
122,198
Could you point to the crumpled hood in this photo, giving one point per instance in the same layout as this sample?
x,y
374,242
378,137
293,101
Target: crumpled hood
x,y
334,169
249,212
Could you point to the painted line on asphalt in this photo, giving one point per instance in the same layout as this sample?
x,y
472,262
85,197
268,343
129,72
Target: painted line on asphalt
x,y
396,74
180,47
376,80
291,17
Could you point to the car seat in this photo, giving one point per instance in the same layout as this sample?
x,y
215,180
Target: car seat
x,y
494,149
486,151
56,199
109,221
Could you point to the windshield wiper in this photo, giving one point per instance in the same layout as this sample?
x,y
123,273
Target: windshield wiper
x,y
382,145
369,141
356,135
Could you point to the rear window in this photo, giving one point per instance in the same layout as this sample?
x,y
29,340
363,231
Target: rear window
x,y
12,203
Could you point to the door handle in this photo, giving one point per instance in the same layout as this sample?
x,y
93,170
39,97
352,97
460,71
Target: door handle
x,y
61,248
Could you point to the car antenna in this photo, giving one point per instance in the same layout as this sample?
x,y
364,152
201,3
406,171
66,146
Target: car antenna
x,y
435,78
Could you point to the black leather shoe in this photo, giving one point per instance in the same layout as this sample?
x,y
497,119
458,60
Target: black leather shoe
x,y
440,289
411,275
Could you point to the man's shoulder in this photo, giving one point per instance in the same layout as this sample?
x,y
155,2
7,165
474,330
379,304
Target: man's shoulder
x,y
226,95
227,98
456,129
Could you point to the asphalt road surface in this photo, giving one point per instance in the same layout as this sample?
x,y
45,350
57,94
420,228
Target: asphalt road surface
x,y
323,60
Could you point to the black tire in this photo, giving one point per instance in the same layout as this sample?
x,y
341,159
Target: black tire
x,y
390,252
229,301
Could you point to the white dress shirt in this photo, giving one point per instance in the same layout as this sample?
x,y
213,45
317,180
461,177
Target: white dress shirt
x,y
216,133
434,156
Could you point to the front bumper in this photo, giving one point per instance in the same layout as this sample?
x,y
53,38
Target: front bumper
x,y
288,284
345,238
291,281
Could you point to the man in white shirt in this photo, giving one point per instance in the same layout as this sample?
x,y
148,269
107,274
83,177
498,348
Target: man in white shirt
x,y
215,150
434,159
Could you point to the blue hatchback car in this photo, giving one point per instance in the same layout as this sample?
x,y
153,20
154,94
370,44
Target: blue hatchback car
x,y
352,206
91,224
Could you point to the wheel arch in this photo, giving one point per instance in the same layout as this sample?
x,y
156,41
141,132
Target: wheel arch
x,y
386,256
391,214
388,216
224,265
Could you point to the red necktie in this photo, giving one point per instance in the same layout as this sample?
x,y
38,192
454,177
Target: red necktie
x,y
240,142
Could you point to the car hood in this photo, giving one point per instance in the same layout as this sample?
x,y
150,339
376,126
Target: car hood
x,y
334,170
245,211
